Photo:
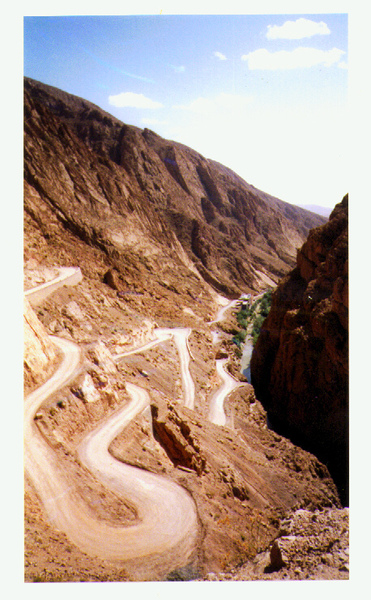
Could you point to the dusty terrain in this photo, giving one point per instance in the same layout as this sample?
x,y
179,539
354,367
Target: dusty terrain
x,y
151,205
164,239
242,477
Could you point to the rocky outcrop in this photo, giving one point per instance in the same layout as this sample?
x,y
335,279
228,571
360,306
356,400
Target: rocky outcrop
x,y
324,533
174,435
310,545
40,354
147,202
151,224
299,366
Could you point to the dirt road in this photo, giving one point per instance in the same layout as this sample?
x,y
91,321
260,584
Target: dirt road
x,y
180,336
167,521
216,411
166,512
161,335
166,526
223,310
67,276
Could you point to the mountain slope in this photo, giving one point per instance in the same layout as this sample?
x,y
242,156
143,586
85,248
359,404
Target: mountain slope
x,y
146,201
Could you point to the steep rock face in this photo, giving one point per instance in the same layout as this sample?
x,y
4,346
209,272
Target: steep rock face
x,y
175,436
40,353
299,366
147,201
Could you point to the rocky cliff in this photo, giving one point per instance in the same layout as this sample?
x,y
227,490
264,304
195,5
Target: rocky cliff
x,y
299,366
40,354
147,202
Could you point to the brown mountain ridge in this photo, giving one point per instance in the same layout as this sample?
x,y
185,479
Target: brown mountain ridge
x,y
102,178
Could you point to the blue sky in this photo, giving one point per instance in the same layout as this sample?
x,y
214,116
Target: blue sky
x,y
265,95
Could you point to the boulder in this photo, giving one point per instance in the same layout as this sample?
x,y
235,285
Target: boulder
x,y
73,311
102,357
88,391
276,560
172,431
111,278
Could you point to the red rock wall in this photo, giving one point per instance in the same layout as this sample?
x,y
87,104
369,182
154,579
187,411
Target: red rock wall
x,y
300,363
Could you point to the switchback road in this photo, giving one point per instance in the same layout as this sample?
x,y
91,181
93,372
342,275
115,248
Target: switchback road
x,y
216,412
166,523
167,520
180,336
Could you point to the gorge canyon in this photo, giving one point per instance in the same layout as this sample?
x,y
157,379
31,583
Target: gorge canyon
x,y
126,351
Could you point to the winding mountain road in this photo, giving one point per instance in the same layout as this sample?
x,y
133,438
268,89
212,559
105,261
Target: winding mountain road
x,y
161,335
166,516
39,459
166,520
165,512
67,276
180,336
221,312
216,412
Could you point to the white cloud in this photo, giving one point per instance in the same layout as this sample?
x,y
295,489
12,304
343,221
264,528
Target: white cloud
x,y
297,30
300,58
222,102
178,69
343,65
132,100
220,56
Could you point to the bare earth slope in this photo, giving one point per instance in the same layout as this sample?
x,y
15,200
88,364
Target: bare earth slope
x,y
145,200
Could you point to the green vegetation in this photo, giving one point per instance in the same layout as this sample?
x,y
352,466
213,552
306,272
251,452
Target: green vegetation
x,y
251,319
242,318
257,325
240,337
265,304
